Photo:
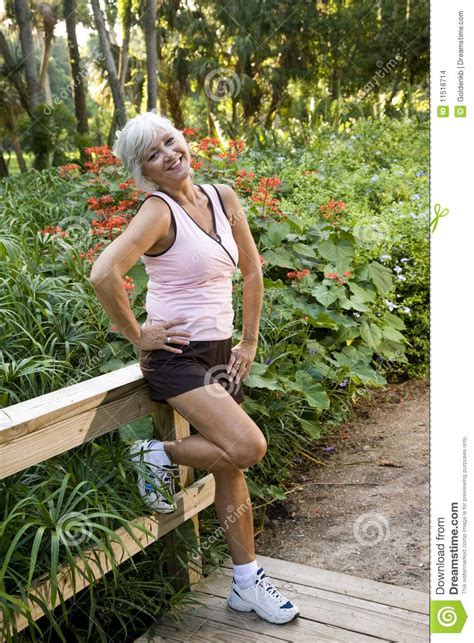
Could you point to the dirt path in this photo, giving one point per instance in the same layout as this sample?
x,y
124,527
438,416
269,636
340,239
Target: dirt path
x,y
369,519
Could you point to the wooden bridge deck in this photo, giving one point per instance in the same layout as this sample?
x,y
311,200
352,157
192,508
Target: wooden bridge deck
x,y
333,607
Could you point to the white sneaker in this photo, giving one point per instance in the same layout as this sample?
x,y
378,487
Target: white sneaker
x,y
160,475
264,599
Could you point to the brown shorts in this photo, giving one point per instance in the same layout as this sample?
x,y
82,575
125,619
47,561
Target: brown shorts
x,y
200,363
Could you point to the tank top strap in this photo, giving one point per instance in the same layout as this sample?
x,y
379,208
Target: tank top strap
x,y
218,205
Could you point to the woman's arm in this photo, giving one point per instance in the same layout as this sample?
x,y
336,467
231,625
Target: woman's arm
x,y
149,225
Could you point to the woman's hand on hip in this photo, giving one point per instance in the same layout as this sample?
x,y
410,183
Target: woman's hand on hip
x,y
240,362
157,336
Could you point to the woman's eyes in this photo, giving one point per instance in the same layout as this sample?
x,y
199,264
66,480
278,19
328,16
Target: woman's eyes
x,y
150,158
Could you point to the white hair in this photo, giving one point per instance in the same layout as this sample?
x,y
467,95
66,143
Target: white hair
x,y
135,138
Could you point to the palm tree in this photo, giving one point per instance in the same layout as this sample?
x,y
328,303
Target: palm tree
x,y
149,29
80,106
46,14
23,17
10,107
120,116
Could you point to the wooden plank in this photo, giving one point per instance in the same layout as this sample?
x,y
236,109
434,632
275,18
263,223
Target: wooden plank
x,y
201,630
48,441
190,501
170,425
365,588
346,612
29,416
214,610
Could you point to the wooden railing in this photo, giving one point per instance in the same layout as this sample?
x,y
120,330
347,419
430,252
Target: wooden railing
x,y
43,427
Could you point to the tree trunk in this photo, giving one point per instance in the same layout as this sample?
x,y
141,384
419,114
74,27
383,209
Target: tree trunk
x,y
18,153
23,17
126,28
109,62
80,105
13,72
49,17
149,28
173,99
3,166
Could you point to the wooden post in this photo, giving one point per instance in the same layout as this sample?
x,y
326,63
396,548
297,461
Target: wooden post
x,y
170,425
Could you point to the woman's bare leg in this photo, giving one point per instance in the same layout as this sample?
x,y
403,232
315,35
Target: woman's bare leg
x,y
229,442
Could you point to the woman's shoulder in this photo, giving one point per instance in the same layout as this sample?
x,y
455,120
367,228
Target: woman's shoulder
x,y
154,204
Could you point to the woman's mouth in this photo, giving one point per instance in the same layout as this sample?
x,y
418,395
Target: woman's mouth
x,y
177,164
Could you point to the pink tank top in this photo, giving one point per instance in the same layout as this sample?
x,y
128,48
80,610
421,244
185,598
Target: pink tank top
x,y
193,277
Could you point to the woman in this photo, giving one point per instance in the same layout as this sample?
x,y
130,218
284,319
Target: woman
x,y
191,240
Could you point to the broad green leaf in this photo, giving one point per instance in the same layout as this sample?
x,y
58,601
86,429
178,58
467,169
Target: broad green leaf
x,y
391,333
279,257
338,251
364,293
367,375
275,233
324,295
303,249
394,321
256,379
323,320
268,283
295,222
314,393
381,276
371,333
311,428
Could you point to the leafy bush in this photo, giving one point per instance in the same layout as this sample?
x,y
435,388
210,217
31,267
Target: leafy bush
x,y
337,225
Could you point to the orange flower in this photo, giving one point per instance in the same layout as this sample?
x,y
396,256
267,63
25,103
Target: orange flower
x,y
298,274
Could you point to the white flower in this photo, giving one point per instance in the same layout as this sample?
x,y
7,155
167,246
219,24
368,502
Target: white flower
x,y
356,314
405,259
385,257
398,269
391,306
401,278
405,309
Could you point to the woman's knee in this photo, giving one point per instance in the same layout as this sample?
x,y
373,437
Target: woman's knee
x,y
249,451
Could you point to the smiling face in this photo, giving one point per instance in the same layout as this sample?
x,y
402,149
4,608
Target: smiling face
x,y
167,160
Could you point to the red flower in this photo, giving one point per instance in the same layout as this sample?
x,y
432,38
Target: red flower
x,y
331,209
128,283
67,169
190,131
335,276
53,230
298,274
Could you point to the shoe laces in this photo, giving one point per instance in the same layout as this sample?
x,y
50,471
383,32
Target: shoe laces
x,y
270,589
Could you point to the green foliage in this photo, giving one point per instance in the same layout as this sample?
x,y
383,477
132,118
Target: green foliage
x,y
337,223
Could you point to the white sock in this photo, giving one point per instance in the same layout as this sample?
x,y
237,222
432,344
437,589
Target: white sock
x,y
159,452
245,574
